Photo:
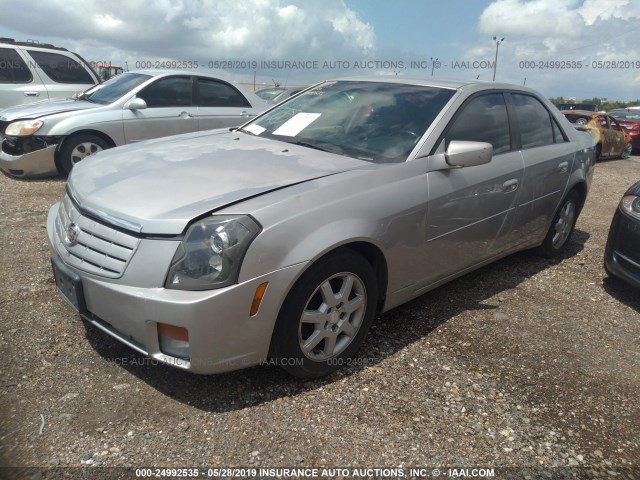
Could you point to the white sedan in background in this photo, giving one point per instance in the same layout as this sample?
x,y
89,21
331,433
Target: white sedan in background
x,y
45,138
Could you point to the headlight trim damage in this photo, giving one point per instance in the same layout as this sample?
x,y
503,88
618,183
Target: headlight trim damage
x,y
630,204
210,254
23,128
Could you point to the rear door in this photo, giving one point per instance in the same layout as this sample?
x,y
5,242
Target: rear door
x,y
616,136
62,75
220,104
548,159
170,110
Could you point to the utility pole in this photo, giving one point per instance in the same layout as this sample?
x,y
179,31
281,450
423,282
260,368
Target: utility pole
x,y
495,63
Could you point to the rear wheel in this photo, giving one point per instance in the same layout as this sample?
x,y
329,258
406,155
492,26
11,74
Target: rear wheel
x,y
326,316
78,147
562,226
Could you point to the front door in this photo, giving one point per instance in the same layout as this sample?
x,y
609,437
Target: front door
x,y
170,110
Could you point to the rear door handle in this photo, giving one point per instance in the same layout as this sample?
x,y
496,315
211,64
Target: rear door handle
x,y
246,114
185,115
563,167
31,94
510,185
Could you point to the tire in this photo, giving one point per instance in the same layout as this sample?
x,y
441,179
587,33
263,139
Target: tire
x,y
77,147
334,329
626,153
562,226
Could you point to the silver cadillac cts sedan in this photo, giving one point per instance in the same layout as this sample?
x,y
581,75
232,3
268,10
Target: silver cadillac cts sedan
x,y
280,240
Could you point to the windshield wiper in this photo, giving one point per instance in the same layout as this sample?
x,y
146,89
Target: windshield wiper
x,y
243,130
85,97
316,147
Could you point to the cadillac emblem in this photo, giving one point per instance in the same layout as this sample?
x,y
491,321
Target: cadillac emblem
x,y
71,237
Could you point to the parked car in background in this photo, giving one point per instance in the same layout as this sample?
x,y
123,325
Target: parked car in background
x,y
49,137
622,253
275,95
31,72
629,119
282,239
590,107
612,141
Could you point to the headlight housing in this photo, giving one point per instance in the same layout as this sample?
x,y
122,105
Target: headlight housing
x,y
631,205
23,128
211,252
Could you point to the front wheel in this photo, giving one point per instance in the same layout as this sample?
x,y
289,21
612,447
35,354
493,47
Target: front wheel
x,y
626,153
325,316
78,147
562,227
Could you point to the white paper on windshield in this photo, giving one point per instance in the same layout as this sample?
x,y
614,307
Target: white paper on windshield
x,y
296,124
255,129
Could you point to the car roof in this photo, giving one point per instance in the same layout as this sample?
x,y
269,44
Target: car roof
x,y
11,42
468,85
201,73
587,113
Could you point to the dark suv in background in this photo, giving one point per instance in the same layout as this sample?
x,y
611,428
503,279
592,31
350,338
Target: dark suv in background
x,y
590,107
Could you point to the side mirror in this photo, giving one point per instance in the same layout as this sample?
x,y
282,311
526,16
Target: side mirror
x,y
136,104
468,154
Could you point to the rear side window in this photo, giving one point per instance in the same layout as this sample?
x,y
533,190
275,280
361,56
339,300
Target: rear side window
x,y
483,119
218,94
60,68
168,92
535,121
558,137
12,67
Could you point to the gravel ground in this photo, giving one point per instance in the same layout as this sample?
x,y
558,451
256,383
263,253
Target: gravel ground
x,y
524,363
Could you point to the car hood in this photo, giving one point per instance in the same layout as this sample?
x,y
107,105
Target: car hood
x,y
43,108
159,186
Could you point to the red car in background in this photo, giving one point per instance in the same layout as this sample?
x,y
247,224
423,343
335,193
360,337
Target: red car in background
x,y
629,119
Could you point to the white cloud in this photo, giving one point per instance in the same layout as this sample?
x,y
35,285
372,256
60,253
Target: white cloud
x,y
593,10
587,31
537,18
192,29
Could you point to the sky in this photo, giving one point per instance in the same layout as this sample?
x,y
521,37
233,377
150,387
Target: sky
x,y
570,48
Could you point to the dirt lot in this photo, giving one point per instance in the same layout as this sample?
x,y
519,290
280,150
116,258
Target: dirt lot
x,y
527,362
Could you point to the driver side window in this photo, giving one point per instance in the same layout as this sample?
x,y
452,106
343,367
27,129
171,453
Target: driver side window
x,y
168,92
483,119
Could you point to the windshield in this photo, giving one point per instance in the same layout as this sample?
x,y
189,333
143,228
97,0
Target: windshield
x,y
112,90
625,115
269,93
373,121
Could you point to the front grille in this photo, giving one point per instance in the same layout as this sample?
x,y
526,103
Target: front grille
x,y
100,249
3,124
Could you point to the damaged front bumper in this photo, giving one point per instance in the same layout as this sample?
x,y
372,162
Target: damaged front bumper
x,y
29,156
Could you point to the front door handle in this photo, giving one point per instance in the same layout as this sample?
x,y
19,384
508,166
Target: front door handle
x,y
246,114
185,115
563,167
510,185
31,94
